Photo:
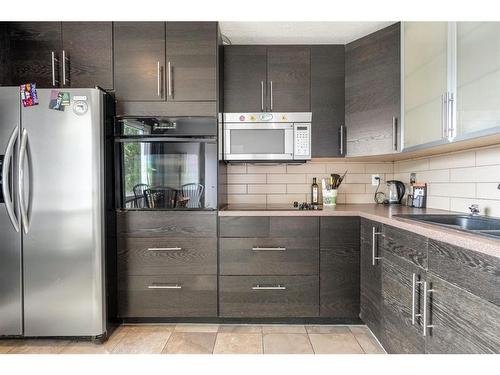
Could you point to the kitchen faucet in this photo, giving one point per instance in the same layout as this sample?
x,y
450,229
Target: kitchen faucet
x,y
474,209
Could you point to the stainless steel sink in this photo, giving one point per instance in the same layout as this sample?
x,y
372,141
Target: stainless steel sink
x,y
482,225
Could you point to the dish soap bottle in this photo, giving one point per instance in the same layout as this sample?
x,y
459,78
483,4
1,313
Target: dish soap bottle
x,y
314,192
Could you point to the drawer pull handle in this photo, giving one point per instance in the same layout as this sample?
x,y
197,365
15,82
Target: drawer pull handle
x,y
269,248
176,286
164,248
414,297
269,287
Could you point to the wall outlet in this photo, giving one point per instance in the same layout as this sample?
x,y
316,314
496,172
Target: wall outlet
x,y
375,179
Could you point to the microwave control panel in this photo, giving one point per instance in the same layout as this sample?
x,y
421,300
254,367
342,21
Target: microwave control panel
x,y
302,141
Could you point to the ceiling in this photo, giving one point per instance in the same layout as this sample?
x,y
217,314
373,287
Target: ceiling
x,y
298,32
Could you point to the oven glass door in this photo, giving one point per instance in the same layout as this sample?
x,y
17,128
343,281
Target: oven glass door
x,y
168,174
258,142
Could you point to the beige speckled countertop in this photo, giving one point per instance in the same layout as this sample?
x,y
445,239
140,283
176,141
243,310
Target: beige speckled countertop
x,y
382,214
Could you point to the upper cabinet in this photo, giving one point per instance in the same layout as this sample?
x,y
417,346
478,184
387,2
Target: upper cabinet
x,y
373,92
139,49
158,61
478,77
426,86
327,101
451,77
245,78
289,80
267,79
55,54
88,54
34,52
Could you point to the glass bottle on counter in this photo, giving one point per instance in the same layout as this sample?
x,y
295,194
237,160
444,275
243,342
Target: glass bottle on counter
x,y
314,192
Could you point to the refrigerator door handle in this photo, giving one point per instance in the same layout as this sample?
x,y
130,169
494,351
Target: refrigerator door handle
x,y
22,158
5,179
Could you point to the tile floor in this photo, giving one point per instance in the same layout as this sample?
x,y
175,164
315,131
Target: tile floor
x,y
211,339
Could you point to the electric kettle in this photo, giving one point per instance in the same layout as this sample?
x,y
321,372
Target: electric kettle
x,y
395,192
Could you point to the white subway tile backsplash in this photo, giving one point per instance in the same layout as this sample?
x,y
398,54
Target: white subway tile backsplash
x,y
246,178
488,190
236,189
489,173
361,178
455,160
340,168
267,189
412,166
306,168
464,190
246,199
236,168
379,168
486,207
488,156
438,175
298,188
440,203
254,168
286,178
287,198
359,198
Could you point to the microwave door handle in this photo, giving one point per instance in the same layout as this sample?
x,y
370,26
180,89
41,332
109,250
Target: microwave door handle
x,y
5,179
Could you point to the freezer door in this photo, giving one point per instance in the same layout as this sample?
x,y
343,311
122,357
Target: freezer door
x,y
63,203
10,238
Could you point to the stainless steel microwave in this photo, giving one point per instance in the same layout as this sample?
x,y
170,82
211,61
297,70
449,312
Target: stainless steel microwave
x,y
267,136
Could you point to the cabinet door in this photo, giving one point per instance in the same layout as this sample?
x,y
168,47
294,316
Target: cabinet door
x,y
88,48
31,47
399,335
372,90
339,267
289,79
478,77
327,100
425,81
462,322
139,50
245,78
192,58
370,277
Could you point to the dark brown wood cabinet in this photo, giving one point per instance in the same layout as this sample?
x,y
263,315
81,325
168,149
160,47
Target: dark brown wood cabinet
x,y
88,50
191,49
370,276
31,45
372,93
327,100
139,53
289,78
339,267
245,78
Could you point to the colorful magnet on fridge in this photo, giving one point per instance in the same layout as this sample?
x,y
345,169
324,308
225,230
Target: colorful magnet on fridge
x,y
29,95
56,98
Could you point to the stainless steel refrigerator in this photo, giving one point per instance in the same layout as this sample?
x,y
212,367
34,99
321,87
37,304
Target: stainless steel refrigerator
x,y
52,240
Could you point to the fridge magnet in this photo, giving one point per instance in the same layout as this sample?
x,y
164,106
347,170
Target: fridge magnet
x,y
65,101
56,100
29,95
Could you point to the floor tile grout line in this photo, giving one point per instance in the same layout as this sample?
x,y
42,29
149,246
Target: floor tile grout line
x,y
166,342
359,344
310,342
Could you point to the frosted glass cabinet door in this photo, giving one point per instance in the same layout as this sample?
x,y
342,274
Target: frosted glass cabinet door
x,y
425,80
478,76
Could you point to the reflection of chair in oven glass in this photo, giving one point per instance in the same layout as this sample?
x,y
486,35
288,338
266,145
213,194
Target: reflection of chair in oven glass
x,y
161,197
191,194
139,199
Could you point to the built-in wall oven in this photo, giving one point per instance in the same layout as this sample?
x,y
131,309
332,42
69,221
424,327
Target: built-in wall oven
x,y
267,136
166,163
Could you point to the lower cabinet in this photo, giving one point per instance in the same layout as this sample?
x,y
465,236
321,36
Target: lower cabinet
x,y
269,296
370,276
167,296
339,267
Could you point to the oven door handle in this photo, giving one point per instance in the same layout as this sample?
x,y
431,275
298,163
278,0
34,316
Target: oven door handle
x,y
166,139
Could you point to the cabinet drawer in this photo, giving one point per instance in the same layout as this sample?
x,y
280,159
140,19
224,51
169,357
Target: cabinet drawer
x,y
158,256
274,226
268,296
269,256
339,233
473,271
167,296
166,224
406,245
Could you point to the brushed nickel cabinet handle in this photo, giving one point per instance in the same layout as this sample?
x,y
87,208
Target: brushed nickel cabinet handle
x,y
271,94
169,80
269,248
341,139
395,133
164,248
444,115
64,67
451,120
425,314
158,77
374,257
262,96
413,298
269,287
53,61
174,286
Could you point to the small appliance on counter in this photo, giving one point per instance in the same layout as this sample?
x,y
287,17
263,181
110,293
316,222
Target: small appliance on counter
x,y
418,195
394,193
